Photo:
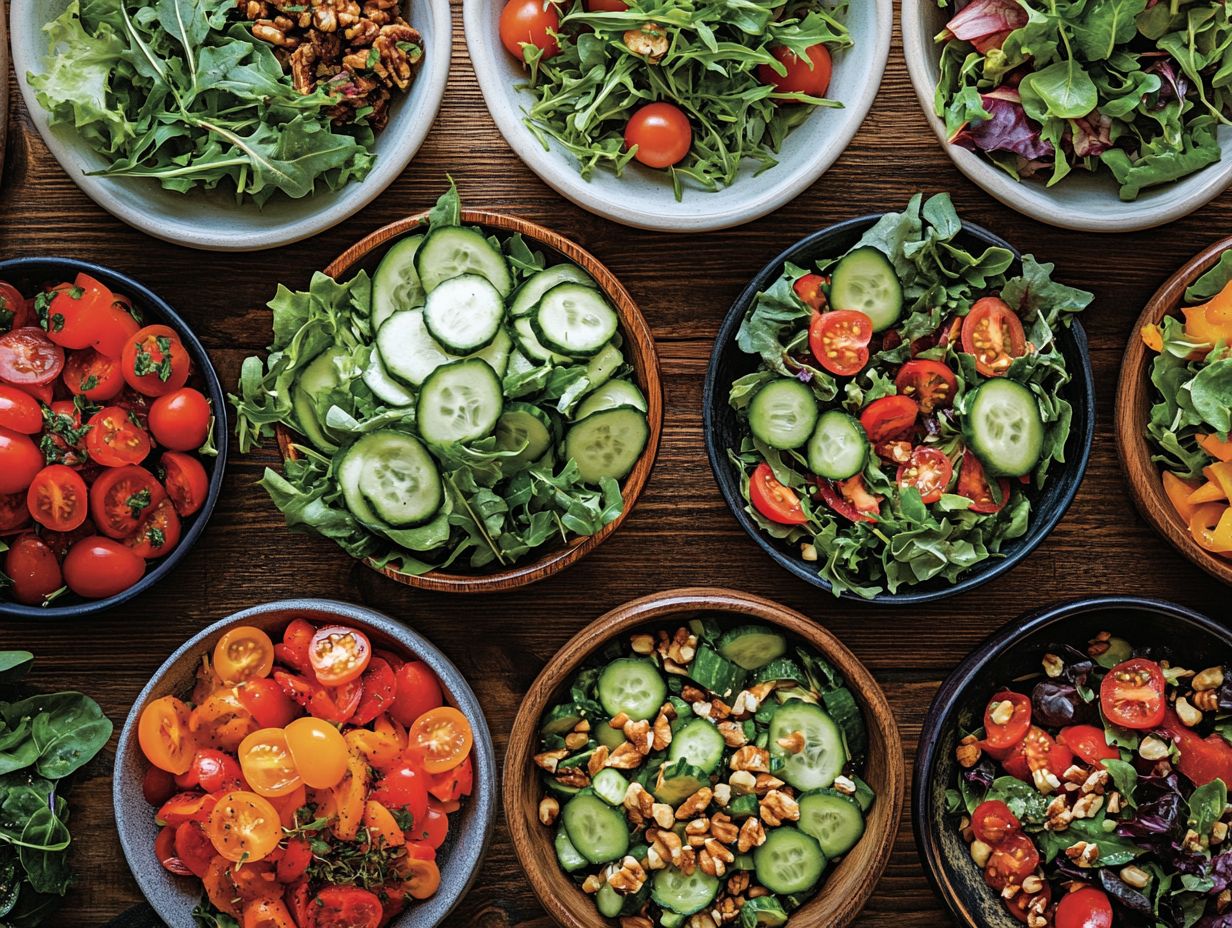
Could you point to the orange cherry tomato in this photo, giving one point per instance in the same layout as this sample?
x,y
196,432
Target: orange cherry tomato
x,y
267,913
339,654
809,75
661,133
242,654
186,481
180,420
442,738
163,734
529,22
244,826
93,375
294,861
33,568
318,752
154,361
194,848
268,764
381,825
993,333
776,502
421,878
115,439
58,498
221,721
192,806
811,290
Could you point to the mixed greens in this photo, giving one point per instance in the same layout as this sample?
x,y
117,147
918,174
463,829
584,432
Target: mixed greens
x,y
467,401
1133,88
903,383
699,769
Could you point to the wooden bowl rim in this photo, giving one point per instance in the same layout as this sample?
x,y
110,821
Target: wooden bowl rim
x,y
1133,402
641,345
533,848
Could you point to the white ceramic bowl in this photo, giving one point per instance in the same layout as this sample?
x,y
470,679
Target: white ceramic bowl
x,y
212,220
644,198
1082,201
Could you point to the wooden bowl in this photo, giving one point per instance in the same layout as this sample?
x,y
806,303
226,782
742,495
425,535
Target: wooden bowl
x,y
640,351
1134,399
844,890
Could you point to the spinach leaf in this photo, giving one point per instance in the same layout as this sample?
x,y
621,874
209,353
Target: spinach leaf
x,y
14,664
1026,802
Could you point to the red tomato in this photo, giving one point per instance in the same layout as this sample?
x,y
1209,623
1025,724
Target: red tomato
x,y
929,471
215,771
772,499
115,440
164,850
973,484
194,847
661,133
889,419
58,498
296,688
339,654
154,361
187,483
344,907
19,411
809,75
14,310
14,513
1088,742
1007,734
839,341
418,690
294,861
336,703
98,567
379,689
1132,694
267,703
433,828
1202,759
811,290
1013,860
29,358
1037,751
64,438
420,851
192,806
1086,908
529,22
993,333
93,375
41,392
296,642
452,785
122,497
73,315
862,506
34,570
404,788
993,822
1020,905
157,786
929,383
20,461
181,420
158,534
118,327
298,898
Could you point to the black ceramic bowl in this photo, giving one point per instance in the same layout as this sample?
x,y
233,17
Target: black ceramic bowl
x,y
29,274
722,427
458,858
1012,652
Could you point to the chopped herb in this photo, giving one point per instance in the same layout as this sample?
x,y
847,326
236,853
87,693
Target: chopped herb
x,y
138,501
88,383
155,536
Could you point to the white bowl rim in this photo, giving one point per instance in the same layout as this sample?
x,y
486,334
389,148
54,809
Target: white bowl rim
x,y
235,237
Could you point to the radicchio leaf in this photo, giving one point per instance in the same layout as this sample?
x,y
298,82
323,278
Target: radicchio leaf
x,y
986,23
1175,84
1091,135
1058,704
1008,129
1123,893
982,774
1221,872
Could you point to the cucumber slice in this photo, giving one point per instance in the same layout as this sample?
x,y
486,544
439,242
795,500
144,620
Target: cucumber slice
x,y
671,920
383,386
497,354
743,806
566,854
783,668
408,350
631,685
841,706
610,786
459,402
698,743
318,378
711,671
574,320
608,443
783,413
677,782
526,297
1004,428
306,419
560,789
601,367
839,447
762,911
823,756
456,250
561,719
395,285
608,901
864,280
598,831
464,313
789,861
389,477
528,341
611,738
612,394
752,646
864,794
684,895
834,820
526,427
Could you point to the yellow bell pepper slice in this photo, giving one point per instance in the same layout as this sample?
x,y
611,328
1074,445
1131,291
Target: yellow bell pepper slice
x,y
1152,337
1211,528
1177,491
1219,309
1219,450
1221,475
1209,492
1201,328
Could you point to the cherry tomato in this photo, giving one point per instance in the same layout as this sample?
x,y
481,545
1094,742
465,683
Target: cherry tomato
x,y
58,498
297,689
14,513
20,461
158,534
186,481
839,341
268,766
433,828
34,570
1020,905
380,686
339,654
164,850
64,436
850,498
61,542
122,497
115,439
1132,694
267,913
662,134
1202,759
180,420
14,310
318,752
298,897
808,75
1085,908
154,361
98,567
452,785
441,737
29,358
294,861
1006,734
269,705
529,22
157,786
811,290
193,847
118,327
889,418
1012,861
243,653
73,315
289,805
1037,751
973,484
929,383
420,851
296,643
929,471
418,691
215,771
336,703
421,878
993,333
773,500
94,376
993,822
19,411
244,826
162,732
221,721
1088,742
404,788
345,906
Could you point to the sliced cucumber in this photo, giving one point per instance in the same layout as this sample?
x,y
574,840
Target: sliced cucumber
x,y
764,911
711,671
677,782
464,313
460,401
783,413
789,861
864,794
743,806
601,367
864,280
611,738
699,743
610,786
395,285
566,854
612,394
528,341
782,669
1004,428
497,354
598,831
841,706
318,378
306,419
631,685
834,820
608,901
672,920
456,250
322,375
608,443
823,756
383,386
407,348
561,719
752,646
575,320
684,895
389,477
525,427
561,789
526,298
839,447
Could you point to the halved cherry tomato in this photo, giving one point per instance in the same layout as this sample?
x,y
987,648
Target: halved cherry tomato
x,y
529,22
298,898
993,333
441,737
839,341
118,327
297,689
839,497
58,498
339,654
929,471
215,771
164,850
993,822
20,461
1012,861
1001,735
268,766
421,878
382,826
90,374
295,646
29,358
661,133
73,315
193,806
115,440
32,567
336,703
193,847
452,785
294,861
318,752
267,913
432,828
1037,751
64,435
1132,694
808,75
19,411
269,705
1088,742
1085,908
811,290
158,534
1202,759
379,689
98,567
1020,905
418,691
157,786
122,497
929,383
888,420
346,906
180,420
973,484
243,653
186,481
244,826
14,513
220,720
404,788
154,361
163,734
776,502
14,310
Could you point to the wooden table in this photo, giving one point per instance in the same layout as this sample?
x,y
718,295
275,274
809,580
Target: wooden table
x,y
680,533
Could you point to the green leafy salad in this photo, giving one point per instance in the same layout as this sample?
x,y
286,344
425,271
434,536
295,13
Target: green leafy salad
x,y
467,402
909,395
1131,88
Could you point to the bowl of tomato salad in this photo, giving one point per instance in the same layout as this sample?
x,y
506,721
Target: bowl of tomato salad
x,y
305,764
1072,771
110,461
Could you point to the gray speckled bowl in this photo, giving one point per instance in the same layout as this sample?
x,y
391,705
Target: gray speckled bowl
x,y
459,858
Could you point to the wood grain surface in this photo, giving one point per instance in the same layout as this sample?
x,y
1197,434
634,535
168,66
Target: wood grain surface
x,y
680,534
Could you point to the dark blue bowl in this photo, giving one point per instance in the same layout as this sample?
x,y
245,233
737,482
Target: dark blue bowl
x,y
722,426
27,274
1010,653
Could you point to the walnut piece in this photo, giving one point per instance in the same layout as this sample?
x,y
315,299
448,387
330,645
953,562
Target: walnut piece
x,y
694,804
777,807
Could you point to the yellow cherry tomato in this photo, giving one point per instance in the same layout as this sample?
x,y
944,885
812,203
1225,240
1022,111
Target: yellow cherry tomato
x,y
244,826
441,737
267,763
318,750
164,735
243,653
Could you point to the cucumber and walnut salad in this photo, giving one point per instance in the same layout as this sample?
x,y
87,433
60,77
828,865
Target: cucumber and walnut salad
x,y
908,395
466,400
702,770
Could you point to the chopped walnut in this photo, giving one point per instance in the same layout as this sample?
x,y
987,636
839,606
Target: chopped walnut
x,y
1058,815
663,815
968,752
792,743
549,809
722,795
1087,806
592,884
1096,782
662,732
638,801
742,782
679,649
1053,665
576,740
598,760
649,42
751,758
692,694
733,734
723,828
629,878
573,776
751,835
764,782
694,804
1209,679
714,858
777,807
548,760
640,736
737,883
625,757
1083,854
642,644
